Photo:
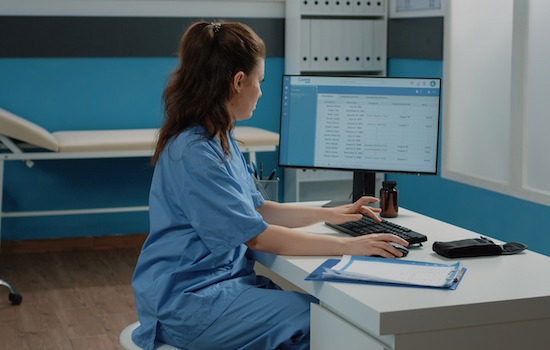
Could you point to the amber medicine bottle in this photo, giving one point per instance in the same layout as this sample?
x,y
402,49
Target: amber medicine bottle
x,y
388,199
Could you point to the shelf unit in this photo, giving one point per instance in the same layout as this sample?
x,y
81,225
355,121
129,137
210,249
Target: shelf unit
x,y
332,37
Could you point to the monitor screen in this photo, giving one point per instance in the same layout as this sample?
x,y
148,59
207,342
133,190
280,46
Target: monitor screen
x,y
360,123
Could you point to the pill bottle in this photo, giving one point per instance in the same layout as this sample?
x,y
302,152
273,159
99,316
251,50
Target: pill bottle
x,y
388,199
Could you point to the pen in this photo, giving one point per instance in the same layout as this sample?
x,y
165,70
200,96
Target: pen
x,y
459,275
255,169
261,170
272,175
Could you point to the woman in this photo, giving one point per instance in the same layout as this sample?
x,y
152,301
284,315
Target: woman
x,y
194,282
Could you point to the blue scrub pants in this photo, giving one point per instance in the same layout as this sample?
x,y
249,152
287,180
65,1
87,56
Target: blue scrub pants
x,y
260,319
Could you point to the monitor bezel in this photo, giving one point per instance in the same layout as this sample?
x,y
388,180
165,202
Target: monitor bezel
x,y
364,170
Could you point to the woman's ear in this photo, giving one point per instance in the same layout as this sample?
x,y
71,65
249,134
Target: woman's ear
x,y
238,80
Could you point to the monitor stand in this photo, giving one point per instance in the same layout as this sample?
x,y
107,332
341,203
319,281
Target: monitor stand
x,y
364,184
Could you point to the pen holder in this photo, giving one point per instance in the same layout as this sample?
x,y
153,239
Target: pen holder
x,y
269,188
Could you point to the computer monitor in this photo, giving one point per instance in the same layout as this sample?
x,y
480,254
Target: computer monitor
x,y
363,124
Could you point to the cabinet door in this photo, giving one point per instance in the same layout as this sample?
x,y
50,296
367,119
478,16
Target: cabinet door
x,y
330,332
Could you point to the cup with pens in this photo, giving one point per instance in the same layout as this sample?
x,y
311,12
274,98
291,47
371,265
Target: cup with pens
x,y
267,185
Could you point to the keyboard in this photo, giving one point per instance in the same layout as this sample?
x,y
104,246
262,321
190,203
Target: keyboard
x,y
367,226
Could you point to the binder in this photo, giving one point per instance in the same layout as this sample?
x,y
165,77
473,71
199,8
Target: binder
x,y
367,39
334,44
380,43
347,7
352,44
325,6
377,8
306,7
392,272
326,40
359,7
305,48
316,44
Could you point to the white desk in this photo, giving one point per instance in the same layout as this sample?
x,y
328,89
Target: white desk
x,y
503,302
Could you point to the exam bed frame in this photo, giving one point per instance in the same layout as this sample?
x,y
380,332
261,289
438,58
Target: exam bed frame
x,y
22,140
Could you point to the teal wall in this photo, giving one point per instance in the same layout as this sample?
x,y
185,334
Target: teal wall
x,y
94,93
503,217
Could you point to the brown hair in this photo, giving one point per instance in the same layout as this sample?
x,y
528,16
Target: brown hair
x,y
210,54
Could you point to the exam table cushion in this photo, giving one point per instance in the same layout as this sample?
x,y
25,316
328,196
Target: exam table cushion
x,y
23,130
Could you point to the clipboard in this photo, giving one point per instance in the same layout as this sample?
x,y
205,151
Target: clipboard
x,y
319,274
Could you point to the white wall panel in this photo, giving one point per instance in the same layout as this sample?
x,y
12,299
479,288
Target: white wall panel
x,y
477,87
496,84
537,95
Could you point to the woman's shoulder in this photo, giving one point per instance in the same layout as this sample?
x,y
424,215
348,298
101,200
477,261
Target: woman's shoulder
x,y
192,142
194,136
194,132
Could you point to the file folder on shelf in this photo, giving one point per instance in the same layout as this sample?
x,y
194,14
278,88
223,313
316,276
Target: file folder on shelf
x,y
305,40
400,272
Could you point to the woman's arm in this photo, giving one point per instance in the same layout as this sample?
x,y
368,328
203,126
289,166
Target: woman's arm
x,y
284,241
279,238
299,216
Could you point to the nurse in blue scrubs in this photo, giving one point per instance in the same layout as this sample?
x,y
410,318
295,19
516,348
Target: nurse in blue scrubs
x,y
194,283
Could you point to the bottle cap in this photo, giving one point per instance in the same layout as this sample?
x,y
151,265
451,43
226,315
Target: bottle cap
x,y
390,184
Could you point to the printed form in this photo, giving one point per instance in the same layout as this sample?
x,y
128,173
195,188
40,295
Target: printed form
x,y
395,271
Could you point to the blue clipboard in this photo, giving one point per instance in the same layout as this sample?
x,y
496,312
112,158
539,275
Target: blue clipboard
x,y
317,275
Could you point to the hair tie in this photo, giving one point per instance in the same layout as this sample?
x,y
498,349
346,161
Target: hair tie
x,y
217,26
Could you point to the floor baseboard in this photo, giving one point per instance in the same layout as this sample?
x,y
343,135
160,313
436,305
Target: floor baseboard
x,y
73,243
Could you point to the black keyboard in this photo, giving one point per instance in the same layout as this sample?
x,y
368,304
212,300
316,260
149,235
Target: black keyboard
x,y
367,226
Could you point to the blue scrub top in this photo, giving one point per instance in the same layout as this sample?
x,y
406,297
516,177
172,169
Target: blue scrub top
x,y
193,264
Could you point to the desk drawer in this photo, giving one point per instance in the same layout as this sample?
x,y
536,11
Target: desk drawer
x,y
328,331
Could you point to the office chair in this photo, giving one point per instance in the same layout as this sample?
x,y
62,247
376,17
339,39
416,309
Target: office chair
x,y
128,344
14,297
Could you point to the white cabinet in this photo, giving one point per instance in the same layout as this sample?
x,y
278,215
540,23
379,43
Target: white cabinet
x,y
329,331
303,185
339,38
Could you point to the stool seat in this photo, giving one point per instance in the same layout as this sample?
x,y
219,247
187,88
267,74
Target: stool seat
x,y
128,344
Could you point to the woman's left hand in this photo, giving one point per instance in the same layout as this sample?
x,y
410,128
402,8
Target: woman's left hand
x,y
354,211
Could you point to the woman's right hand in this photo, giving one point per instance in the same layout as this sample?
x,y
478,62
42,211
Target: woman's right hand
x,y
375,244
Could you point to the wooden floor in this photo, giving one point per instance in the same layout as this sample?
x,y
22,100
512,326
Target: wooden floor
x,y
77,298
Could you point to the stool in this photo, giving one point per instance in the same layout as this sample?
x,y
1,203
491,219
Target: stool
x,y
128,344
